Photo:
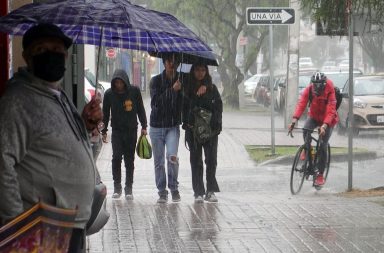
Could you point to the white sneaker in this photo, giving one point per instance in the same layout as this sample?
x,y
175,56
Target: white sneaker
x,y
199,199
116,195
211,197
129,197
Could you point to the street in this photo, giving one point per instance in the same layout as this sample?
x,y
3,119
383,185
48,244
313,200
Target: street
x,y
255,212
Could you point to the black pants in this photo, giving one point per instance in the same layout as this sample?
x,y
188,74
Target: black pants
x,y
196,160
323,149
77,242
123,145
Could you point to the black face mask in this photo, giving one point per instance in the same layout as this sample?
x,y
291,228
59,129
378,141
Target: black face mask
x,y
318,88
49,66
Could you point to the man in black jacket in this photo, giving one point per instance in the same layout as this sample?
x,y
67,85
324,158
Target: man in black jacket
x,y
124,102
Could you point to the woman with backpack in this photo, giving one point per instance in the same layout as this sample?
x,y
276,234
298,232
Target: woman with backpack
x,y
321,96
202,122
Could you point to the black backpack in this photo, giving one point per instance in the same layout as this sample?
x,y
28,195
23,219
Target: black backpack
x,y
202,130
338,95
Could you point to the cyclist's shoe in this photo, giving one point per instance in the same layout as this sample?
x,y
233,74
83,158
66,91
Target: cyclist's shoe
x,y
303,156
319,180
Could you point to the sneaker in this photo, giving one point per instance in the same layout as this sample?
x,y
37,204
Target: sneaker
x,y
303,155
176,196
162,199
199,199
210,197
128,194
319,180
116,195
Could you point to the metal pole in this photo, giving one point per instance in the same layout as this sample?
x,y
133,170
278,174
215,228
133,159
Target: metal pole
x,y
350,110
272,89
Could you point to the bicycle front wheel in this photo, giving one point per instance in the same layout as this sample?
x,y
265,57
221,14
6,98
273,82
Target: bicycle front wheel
x,y
298,171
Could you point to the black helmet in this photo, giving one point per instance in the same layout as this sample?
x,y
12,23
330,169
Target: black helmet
x,y
319,80
318,77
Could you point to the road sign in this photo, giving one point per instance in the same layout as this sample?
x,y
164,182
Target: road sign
x,y
270,16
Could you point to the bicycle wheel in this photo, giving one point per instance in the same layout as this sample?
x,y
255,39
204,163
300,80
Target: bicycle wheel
x,y
327,163
298,172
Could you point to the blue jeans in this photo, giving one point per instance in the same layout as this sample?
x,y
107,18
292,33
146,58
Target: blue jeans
x,y
165,138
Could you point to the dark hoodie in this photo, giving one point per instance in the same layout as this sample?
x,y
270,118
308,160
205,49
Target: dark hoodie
x,y
123,106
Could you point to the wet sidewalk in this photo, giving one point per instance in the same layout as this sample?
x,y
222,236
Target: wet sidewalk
x,y
255,212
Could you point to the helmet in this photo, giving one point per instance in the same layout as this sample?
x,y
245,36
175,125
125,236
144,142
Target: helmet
x,y
318,77
319,80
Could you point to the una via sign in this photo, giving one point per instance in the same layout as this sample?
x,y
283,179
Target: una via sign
x,y
270,16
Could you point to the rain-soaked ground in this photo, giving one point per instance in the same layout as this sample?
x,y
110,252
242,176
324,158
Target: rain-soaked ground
x,y
255,212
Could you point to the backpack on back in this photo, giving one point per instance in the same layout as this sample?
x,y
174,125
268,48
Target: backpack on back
x,y
338,96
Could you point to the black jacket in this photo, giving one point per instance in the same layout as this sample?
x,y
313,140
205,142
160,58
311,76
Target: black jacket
x,y
123,107
165,102
211,101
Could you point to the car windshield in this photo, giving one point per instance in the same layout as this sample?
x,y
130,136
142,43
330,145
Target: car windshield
x,y
304,80
372,86
340,78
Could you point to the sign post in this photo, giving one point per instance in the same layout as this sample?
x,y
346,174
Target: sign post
x,y
271,16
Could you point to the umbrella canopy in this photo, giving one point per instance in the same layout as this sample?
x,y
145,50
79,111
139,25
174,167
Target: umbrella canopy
x,y
111,23
205,57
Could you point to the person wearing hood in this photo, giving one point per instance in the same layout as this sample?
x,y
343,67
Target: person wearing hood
x,y
123,103
45,152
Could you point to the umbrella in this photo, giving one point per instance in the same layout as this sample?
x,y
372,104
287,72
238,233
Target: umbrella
x,y
42,228
111,23
206,57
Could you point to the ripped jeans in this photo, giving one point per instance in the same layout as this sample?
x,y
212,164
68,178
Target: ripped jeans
x,y
165,139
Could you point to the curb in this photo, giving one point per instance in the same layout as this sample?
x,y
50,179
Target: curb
x,y
288,159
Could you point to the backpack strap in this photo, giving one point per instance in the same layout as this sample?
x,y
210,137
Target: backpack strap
x,y
310,96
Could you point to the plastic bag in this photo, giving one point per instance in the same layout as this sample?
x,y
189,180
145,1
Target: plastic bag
x,y
143,148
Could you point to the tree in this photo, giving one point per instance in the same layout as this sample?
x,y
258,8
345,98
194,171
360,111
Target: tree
x,y
219,23
333,14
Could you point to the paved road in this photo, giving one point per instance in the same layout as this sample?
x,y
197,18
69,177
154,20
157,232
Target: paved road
x,y
255,212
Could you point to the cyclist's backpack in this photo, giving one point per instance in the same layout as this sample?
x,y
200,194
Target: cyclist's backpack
x,y
338,96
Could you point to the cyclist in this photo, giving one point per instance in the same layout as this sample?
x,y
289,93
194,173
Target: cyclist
x,y
322,113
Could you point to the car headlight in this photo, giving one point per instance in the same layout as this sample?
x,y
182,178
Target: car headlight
x,y
359,103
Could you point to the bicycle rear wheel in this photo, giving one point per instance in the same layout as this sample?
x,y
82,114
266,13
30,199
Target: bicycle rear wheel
x,y
298,172
328,162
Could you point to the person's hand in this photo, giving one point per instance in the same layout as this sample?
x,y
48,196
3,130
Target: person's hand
x,y
292,125
201,91
322,130
176,86
92,114
144,131
104,137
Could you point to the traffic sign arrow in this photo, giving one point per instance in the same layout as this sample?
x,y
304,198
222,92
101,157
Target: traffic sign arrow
x,y
270,16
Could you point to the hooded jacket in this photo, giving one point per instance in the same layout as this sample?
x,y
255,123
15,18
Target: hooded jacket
x,y
125,107
322,108
45,152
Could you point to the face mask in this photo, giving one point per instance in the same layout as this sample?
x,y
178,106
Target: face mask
x,y
49,66
318,88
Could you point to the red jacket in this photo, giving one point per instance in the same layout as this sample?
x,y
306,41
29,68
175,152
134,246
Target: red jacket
x,y
323,107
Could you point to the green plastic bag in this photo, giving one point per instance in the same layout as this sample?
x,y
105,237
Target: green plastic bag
x,y
143,148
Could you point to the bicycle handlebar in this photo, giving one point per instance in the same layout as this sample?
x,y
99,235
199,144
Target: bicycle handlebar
x,y
317,129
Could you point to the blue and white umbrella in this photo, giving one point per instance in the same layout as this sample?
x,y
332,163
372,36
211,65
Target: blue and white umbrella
x,y
111,23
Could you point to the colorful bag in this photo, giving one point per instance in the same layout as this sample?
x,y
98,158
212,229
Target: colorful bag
x,y
143,148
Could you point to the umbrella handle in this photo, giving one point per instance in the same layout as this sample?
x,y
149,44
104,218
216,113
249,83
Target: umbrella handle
x,y
98,61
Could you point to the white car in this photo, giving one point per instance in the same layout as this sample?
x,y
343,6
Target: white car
x,y
90,87
305,63
250,84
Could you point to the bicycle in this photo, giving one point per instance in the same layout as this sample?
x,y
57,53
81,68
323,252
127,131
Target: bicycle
x,y
307,168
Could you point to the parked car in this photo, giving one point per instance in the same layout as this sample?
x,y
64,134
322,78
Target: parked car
x,y
329,66
368,104
90,87
250,84
306,63
261,90
344,65
279,90
340,77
